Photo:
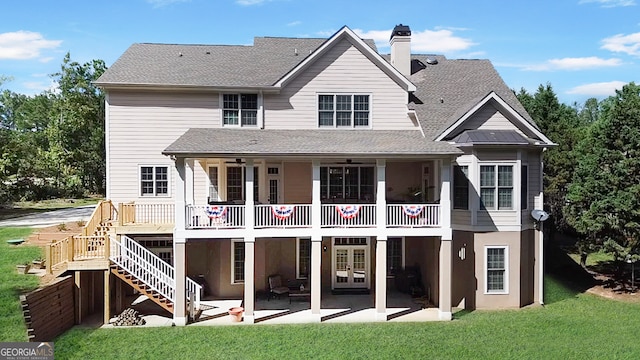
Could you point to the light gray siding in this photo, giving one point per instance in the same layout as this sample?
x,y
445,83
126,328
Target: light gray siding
x,y
489,118
343,69
141,126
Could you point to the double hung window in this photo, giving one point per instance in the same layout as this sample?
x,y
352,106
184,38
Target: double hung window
x,y
240,109
496,187
343,110
154,180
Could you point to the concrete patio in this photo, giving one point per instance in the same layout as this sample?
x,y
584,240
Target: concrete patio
x,y
335,309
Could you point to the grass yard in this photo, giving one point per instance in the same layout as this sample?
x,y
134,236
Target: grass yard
x,y
12,284
572,325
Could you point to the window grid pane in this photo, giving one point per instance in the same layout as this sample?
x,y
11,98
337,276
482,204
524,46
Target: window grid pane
x,y
487,198
394,255
487,176
495,269
505,176
238,261
304,257
461,187
162,183
234,183
213,188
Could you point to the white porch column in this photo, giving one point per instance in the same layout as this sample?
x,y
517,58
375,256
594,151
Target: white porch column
x,y
249,245
316,268
188,169
180,208
444,300
249,204
316,243
316,205
381,242
446,246
249,279
179,247
180,273
445,195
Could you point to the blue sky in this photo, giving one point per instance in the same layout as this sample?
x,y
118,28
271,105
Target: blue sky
x,y
583,48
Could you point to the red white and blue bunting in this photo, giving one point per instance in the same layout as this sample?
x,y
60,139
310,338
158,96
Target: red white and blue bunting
x,y
216,211
348,211
412,210
282,212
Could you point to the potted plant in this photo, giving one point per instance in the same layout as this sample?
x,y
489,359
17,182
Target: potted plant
x,y
236,313
23,268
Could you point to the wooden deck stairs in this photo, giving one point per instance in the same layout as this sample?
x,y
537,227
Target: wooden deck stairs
x,y
141,287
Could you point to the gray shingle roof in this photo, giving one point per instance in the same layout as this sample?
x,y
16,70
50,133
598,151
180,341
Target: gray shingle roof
x,y
449,89
240,142
260,65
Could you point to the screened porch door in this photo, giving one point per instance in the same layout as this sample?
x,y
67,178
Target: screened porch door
x,y
350,263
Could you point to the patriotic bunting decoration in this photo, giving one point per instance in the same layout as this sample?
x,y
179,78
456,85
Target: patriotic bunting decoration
x,y
412,210
282,212
216,211
348,211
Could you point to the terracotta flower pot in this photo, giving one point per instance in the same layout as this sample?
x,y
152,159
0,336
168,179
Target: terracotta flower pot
x,y
236,313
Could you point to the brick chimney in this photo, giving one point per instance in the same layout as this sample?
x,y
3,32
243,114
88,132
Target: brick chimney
x,y
401,49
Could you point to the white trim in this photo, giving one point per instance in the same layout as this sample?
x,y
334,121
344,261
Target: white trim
x,y
208,182
505,290
493,96
233,263
372,55
107,129
154,195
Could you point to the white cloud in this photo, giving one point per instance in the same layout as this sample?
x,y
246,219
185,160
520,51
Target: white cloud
x,y
21,45
583,63
610,3
628,44
294,23
162,3
438,41
598,89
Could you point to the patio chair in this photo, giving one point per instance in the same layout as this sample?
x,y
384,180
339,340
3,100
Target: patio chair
x,y
275,286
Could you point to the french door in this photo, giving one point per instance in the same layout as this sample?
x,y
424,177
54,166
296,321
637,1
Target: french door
x,y
350,263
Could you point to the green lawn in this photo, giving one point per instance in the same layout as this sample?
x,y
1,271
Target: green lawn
x,y
12,284
571,326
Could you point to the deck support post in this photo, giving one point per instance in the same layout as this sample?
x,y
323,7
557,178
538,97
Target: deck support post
x,y
107,297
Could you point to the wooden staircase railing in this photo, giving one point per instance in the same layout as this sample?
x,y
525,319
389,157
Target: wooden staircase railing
x,y
91,243
149,274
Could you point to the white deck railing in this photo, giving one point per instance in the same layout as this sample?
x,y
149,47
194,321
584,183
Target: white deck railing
x,y
140,213
283,216
287,215
348,215
215,217
413,215
150,269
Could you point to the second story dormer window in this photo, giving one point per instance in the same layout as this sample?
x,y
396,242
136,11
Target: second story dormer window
x,y
240,109
343,110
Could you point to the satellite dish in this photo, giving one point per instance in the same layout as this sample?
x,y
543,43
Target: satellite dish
x,y
539,215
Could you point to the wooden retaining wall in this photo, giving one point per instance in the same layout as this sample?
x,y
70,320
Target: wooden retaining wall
x,y
49,311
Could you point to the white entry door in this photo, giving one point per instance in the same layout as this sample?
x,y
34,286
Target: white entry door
x,y
350,263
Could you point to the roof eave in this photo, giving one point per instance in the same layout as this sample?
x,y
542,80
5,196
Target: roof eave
x,y
166,87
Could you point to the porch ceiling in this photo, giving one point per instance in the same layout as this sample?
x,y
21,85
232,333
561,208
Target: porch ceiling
x,y
207,142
